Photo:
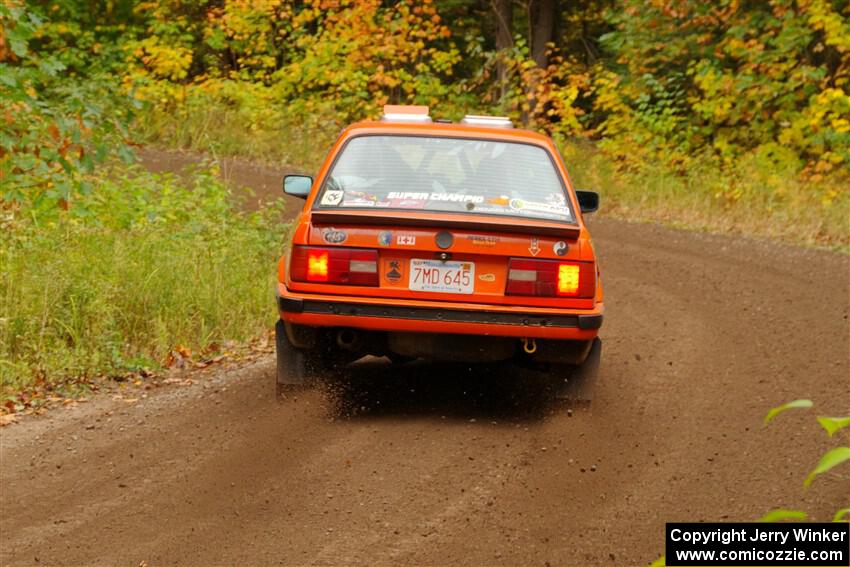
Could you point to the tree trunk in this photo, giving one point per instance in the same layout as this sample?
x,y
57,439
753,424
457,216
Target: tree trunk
x,y
542,29
503,12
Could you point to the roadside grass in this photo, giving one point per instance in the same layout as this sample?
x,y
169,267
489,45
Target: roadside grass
x,y
140,266
756,197
221,130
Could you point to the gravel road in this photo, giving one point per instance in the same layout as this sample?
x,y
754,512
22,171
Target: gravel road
x,y
445,464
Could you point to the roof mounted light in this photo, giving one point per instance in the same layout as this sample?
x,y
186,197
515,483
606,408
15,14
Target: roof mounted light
x,y
405,113
488,121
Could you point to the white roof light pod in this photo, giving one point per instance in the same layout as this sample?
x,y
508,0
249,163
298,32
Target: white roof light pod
x,y
489,121
405,113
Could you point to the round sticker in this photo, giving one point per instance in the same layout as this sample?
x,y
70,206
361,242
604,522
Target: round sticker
x,y
333,236
560,248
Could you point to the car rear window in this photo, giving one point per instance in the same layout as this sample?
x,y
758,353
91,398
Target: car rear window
x,y
446,175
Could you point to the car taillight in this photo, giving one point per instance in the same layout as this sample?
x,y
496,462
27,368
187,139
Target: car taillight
x,y
550,278
317,265
349,266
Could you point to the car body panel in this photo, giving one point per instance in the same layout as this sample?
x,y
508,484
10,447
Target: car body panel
x,y
401,236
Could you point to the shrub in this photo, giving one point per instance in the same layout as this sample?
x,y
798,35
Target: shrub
x,y
140,265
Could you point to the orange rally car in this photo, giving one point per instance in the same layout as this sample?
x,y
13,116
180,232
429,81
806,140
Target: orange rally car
x,y
428,239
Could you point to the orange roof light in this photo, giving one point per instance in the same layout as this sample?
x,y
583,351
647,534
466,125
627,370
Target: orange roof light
x,y
568,278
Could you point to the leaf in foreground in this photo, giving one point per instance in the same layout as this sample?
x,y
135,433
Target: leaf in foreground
x,y
839,515
833,424
830,459
796,404
780,514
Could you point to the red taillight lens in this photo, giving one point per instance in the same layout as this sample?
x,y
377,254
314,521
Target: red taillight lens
x,y
349,266
550,278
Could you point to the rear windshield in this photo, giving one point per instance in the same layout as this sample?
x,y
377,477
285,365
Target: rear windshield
x,y
446,175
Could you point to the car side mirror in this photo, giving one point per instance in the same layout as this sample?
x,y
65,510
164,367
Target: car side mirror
x,y
297,185
588,201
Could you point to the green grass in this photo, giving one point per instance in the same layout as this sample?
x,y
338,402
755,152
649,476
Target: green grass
x,y
139,266
268,136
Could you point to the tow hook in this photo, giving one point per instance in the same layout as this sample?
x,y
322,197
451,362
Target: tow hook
x,y
529,345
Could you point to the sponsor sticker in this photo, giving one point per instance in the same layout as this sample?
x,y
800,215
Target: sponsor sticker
x,y
359,199
407,195
403,203
332,197
393,271
415,196
334,236
556,199
456,198
358,202
487,277
406,240
385,238
551,208
560,248
483,240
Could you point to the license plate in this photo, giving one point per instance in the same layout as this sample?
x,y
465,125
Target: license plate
x,y
442,277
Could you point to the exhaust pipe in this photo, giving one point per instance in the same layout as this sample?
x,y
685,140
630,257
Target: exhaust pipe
x,y
349,339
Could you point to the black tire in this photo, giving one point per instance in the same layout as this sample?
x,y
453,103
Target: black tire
x,y
577,383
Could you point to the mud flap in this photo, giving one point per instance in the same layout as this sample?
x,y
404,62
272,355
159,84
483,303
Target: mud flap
x,y
581,380
292,369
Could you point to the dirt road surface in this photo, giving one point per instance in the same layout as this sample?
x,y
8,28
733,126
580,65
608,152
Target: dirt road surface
x,y
443,464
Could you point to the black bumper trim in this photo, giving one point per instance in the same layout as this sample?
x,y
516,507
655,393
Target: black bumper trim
x,y
290,304
589,321
295,305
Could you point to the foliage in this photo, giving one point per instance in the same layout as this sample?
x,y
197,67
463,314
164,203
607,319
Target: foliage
x,y
342,63
747,103
796,404
54,127
828,461
833,457
780,514
728,77
833,424
151,264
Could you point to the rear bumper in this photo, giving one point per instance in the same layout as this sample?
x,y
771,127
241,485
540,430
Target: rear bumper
x,y
423,317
